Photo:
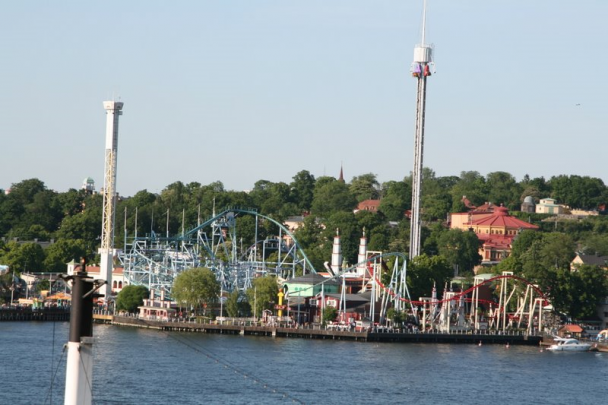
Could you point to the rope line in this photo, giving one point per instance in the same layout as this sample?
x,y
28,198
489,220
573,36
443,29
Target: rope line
x,y
237,370
86,375
49,395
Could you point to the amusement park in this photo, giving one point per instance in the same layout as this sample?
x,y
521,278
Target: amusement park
x,y
374,292
371,294
337,290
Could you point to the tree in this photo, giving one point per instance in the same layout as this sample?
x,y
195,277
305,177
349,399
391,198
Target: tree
x,y
131,297
10,212
277,202
232,304
310,238
593,289
577,293
85,225
400,237
424,272
332,196
329,314
524,241
365,187
195,288
397,317
39,206
396,200
596,245
71,202
578,192
261,192
436,206
503,189
302,189
460,248
21,257
436,200
471,185
263,294
62,252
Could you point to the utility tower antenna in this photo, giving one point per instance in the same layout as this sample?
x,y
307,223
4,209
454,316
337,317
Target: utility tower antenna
x,y
421,70
423,23
113,111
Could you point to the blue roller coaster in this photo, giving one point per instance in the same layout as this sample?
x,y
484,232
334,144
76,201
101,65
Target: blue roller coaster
x,y
154,261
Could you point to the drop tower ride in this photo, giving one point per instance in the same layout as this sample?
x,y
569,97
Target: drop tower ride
x,y
421,70
113,111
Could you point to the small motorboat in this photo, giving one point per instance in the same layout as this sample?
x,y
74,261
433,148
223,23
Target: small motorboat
x,y
569,345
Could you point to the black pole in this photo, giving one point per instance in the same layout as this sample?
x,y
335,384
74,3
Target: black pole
x,y
81,312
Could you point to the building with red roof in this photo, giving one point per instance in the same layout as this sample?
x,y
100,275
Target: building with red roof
x,y
368,205
467,203
494,228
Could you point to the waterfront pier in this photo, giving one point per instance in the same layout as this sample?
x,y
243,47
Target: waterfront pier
x,y
318,332
56,314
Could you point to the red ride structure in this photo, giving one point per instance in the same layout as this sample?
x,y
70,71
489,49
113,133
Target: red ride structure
x,y
448,314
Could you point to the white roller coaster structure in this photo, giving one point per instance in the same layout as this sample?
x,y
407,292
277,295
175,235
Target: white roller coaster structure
x,y
154,261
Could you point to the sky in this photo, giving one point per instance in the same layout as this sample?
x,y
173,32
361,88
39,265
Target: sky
x,y
243,90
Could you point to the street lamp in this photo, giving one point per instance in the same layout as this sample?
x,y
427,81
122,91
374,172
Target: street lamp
x,y
12,287
27,289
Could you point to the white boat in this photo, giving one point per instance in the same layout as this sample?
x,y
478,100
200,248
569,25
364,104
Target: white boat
x,y
569,345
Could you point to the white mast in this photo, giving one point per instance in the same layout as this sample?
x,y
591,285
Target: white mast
x,y
113,111
79,363
362,256
421,69
336,254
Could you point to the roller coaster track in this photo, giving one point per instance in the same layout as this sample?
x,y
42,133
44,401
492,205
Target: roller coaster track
x,y
155,261
465,292
189,234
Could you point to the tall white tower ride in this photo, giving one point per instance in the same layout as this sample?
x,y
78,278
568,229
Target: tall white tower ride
x,y
421,69
113,111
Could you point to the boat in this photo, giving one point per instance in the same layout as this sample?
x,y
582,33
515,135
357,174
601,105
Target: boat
x,y
569,345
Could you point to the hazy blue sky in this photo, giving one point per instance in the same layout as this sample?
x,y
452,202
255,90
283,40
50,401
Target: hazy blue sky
x,y
239,91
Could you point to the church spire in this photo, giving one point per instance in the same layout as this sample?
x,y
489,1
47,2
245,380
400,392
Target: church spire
x,y
341,177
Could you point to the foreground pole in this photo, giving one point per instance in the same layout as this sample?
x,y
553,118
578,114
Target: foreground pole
x,y
79,366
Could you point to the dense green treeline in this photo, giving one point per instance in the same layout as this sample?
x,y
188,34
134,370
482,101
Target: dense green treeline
x,y
72,219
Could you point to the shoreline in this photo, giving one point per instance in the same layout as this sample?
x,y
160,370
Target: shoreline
x,y
325,334
311,332
56,314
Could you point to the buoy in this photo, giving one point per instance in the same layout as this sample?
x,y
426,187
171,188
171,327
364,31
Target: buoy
x,y
507,346
479,343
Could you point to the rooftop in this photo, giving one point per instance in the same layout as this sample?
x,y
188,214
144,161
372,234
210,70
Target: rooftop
x,y
501,218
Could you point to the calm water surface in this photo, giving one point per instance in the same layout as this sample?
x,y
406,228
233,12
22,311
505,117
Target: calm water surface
x,y
136,366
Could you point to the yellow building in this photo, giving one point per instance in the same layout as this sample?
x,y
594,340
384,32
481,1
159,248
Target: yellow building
x,y
494,228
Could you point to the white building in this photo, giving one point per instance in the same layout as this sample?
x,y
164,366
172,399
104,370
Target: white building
x,y
549,206
118,279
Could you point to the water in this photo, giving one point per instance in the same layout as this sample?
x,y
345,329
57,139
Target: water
x,y
138,366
